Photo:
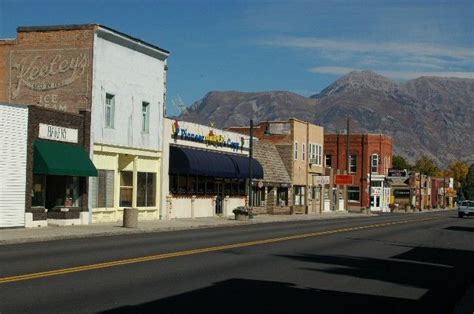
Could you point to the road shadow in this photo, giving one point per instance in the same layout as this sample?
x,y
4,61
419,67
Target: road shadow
x,y
254,296
459,228
444,273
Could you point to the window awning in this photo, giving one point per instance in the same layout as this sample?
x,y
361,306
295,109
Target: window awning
x,y
55,158
187,161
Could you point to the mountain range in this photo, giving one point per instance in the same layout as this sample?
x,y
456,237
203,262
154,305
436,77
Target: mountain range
x,y
430,116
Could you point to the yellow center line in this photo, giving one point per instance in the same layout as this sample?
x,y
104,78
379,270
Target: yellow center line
x,y
142,259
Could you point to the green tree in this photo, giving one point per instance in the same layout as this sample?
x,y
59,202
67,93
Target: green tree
x,y
400,163
468,187
426,166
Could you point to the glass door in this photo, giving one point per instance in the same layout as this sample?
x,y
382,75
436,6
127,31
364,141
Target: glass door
x,y
219,197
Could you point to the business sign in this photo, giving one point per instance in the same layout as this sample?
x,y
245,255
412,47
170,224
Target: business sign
x,y
397,173
320,180
52,78
58,133
343,179
398,193
377,191
210,139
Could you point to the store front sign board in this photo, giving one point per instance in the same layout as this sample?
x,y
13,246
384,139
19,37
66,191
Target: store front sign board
x,y
57,133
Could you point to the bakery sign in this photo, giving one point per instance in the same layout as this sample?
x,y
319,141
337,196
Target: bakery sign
x,y
57,133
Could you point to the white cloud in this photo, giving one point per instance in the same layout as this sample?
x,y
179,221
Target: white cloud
x,y
391,48
404,75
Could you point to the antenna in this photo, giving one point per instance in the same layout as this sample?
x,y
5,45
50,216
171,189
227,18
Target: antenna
x,y
179,104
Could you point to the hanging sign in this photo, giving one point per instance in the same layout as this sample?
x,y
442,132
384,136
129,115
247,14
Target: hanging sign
x,y
320,180
57,133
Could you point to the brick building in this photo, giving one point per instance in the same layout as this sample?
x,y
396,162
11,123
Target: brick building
x,y
44,166
370,156
300,145
121,80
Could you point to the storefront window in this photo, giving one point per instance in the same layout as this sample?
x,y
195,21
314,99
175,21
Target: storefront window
x,y
38,193
258,196
192,185
146,189
102,188
282,196
126,188
191,190
201,185
353,193
62,191
299,195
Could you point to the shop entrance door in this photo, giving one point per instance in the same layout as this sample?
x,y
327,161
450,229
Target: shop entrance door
x,y
375,204
219,198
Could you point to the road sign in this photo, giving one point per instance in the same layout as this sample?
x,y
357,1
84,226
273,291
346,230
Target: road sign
x,y
343,179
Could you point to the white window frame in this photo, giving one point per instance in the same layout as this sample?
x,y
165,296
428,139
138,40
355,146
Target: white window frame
x,y
374,163
145,117
109,107
353,163
296,151
316,152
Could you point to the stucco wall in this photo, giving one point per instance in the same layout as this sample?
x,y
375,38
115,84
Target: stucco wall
x,y
132,77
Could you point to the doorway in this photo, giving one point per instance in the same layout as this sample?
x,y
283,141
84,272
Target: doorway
x,y
375,202
219,197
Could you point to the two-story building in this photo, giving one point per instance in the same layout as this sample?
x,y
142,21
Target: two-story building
x,y
300,145
370,157
121,80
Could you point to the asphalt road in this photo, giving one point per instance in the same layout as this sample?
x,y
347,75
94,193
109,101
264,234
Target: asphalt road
x,y
387,264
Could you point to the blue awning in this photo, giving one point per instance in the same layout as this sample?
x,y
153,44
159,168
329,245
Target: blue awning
x,y
188,161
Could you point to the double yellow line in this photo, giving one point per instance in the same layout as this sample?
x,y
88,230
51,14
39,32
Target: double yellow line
x,y
157,257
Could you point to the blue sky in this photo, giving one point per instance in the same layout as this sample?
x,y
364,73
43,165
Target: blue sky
x,y
299,46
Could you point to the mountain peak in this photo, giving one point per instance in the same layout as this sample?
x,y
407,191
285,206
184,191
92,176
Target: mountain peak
x,y
359,80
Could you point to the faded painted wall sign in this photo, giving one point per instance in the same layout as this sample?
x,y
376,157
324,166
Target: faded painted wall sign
x,y
54,78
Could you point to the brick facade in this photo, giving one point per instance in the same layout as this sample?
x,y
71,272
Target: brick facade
x,y
48,67
363,146
81,122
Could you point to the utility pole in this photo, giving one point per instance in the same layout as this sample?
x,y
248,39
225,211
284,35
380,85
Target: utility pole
x,y
250,163
348,167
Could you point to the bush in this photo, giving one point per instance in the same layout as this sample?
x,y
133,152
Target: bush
x,y
242,210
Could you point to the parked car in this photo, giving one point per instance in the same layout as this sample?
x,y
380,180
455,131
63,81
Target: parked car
x,y
465,208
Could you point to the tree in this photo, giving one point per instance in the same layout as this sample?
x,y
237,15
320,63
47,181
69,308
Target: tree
x,y
458,171
426,166
468,187
400,163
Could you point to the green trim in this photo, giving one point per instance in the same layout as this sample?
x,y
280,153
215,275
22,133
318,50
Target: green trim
x,y
56,158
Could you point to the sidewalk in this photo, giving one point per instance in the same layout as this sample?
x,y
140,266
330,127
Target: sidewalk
x,y
24,235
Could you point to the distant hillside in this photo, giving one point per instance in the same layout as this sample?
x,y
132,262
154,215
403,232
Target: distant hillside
x,y
426,116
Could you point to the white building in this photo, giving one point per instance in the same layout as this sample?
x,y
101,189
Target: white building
x,y
205,170
128,96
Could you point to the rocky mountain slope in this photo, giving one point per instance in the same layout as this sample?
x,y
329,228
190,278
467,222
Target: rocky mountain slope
x,y
429,116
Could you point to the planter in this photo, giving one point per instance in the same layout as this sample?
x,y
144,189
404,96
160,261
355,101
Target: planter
x,y
241,217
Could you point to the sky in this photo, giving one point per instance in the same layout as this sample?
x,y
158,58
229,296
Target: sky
x,y
294,45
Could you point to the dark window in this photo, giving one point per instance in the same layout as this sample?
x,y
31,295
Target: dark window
x,y
126,188
328,160
353,193
282,196
353,163
146,189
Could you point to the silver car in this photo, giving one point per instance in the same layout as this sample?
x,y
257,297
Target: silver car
x,y
465,208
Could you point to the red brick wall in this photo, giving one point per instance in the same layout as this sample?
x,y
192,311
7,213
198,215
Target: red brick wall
x,y
52,69
362,145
